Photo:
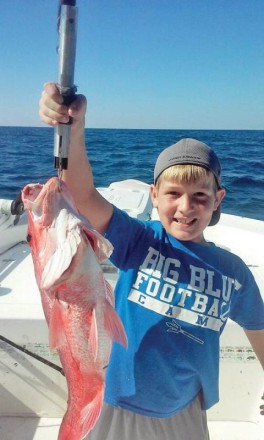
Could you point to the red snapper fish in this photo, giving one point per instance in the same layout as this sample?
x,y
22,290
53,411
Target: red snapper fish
x,y
77,300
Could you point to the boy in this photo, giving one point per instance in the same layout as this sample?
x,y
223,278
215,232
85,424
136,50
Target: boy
x,y
174,294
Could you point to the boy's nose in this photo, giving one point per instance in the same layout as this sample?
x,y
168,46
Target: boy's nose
x,y
185,203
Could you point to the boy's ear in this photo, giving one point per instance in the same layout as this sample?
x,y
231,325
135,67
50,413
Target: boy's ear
x,y
154,195
220,194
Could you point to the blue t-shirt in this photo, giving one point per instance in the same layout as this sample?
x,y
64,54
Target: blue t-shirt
x,y
174,298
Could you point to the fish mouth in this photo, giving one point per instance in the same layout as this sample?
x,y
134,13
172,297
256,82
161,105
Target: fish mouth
x,y
32,191
37,201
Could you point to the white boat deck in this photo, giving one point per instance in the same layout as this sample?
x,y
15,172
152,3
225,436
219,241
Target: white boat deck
x,y
33,396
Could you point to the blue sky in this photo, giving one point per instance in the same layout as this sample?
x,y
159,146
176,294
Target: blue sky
x,y
141,63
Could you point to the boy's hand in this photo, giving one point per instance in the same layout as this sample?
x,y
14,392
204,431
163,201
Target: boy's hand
x,y
52,111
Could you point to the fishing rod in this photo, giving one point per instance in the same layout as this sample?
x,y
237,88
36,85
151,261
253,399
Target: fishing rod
x,y
34,355
67,29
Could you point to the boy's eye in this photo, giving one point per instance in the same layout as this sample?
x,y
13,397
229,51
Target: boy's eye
x,y
201,195
173,193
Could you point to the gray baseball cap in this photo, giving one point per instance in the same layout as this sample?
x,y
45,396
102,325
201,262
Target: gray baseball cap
x,y
193,152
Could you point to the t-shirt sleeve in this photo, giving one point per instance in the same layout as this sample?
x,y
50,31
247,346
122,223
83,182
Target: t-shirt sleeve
x,y
125,233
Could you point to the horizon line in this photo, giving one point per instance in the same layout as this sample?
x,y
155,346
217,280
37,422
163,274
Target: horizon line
x,y
135,128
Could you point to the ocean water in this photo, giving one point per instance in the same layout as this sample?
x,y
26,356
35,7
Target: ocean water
x,y
118,154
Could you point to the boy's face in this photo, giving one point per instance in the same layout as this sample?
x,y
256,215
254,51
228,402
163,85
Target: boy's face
x,y
185,209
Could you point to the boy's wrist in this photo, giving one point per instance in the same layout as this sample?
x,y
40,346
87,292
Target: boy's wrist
x,y
77,132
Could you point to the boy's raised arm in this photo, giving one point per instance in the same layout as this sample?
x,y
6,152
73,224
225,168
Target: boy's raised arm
x,y
78,176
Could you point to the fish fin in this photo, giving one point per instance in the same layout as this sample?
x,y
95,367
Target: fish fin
x,y
109,292
57,335
91,412
60,260
93,336
113,325
101,246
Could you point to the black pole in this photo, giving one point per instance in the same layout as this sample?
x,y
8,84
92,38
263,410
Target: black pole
x,y
35,356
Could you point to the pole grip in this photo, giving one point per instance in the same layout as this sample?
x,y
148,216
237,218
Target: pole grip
x,y
67,28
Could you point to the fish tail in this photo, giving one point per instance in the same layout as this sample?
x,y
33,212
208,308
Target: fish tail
x,y
113,325
91,412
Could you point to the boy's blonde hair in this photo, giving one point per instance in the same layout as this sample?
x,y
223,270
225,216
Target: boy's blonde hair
x,y
185,174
